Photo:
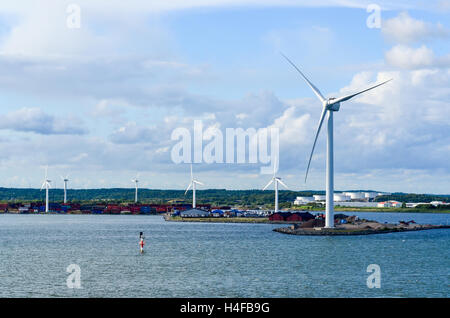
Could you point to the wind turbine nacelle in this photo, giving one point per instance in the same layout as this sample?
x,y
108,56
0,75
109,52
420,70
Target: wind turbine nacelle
x,y
334,107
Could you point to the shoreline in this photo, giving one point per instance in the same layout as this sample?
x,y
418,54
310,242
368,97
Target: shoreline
x,y
220,219
387,211
226,220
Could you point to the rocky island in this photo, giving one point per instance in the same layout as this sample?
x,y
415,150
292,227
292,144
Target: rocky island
x,y
352,225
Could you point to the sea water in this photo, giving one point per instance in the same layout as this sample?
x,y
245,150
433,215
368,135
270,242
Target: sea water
x,y
216,260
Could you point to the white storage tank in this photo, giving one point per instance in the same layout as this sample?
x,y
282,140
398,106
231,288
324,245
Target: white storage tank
x,y
355,195
319,197
303,200
341,197
370,195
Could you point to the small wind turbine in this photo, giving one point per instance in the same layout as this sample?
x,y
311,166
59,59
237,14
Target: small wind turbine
x,y
329,105
275,180
193,183
65,180
135,180
46,184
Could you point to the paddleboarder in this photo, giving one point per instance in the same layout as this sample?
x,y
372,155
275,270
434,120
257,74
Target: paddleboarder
x,y
141,245
141,241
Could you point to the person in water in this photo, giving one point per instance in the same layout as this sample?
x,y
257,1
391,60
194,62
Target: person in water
x,y
141,244
141,241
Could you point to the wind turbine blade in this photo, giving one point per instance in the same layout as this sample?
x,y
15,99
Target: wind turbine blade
x,y
198,182
344,98
315,89
282,183
48,184
270,182
43,185
322,116
189,186
192,175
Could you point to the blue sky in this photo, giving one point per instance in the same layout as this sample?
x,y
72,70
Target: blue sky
x,y
100,102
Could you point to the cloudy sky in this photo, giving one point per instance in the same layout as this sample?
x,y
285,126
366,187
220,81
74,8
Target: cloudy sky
x,y
101,101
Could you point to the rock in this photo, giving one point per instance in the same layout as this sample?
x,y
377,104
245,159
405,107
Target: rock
x,y
313,223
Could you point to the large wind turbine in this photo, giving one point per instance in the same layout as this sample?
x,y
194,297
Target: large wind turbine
x,y
329,105
65,180
135,180
46,184
275,180
193,184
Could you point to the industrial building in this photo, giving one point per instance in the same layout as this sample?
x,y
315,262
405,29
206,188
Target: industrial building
x,y
389,204
357,198
194,213
303,200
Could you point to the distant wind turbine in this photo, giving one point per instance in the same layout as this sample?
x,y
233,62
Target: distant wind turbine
x,y
275,180
65,180
135,180
329,105
193,184
46,184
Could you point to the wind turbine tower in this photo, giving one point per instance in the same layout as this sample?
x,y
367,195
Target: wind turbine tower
x,y
135,180
329,106
193,184
275,180
65,180
46,184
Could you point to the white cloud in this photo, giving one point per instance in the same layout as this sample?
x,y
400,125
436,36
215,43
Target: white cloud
x,y
144,7
411,58
443,5
79,157
131,133
405,29
401,126
111,109
295,126
113,81
37,121
400,129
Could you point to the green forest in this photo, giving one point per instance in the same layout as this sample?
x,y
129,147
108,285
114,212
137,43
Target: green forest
x,y
248,198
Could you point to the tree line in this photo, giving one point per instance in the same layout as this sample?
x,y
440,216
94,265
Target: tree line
x,y
249,198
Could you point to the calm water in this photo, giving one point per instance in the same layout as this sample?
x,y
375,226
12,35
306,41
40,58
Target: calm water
x,y
215,260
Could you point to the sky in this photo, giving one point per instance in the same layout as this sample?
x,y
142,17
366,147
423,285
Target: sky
x,y
100,100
